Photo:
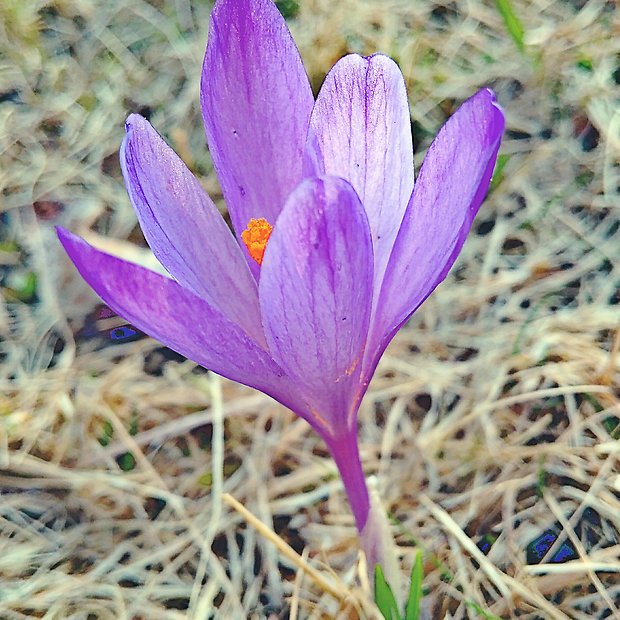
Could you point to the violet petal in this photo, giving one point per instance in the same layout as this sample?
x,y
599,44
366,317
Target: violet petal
x,y
179,319
315,294
184,228
360,130
452,183
256,103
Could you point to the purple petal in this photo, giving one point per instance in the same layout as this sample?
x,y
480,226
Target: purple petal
x,y
179,319
315,293
256,103
452,183
360,130
184,228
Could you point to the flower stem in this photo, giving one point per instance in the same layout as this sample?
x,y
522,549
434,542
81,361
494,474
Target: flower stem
x,y
345,452
370,517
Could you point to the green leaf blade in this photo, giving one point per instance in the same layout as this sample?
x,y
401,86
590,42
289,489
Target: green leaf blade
x,y
384,597
498,172
512,22
412,609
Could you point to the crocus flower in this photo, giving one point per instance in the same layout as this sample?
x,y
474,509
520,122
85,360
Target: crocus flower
x,y
333,248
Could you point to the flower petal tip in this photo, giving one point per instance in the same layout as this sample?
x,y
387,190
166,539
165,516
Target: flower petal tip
x,y
64,236
487,103
492,99
371,57
74,246
134,121
378,59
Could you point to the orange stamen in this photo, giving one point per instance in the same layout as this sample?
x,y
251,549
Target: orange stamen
x,y
255,237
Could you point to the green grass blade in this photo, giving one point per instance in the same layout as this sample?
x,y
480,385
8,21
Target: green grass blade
x,y
384,597
481,612
498,172
512,22
412,610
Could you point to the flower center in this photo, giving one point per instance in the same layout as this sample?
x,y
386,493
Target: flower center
x,y
255,237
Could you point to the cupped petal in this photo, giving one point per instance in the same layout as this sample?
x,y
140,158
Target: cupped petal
x,y
256,103
184,228
452,183
360,130
315,293
160,307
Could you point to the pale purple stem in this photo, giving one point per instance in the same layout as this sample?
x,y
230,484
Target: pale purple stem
x,y
370,518
345,452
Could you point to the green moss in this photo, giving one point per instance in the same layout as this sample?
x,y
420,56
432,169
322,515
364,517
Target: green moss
x,y
288,8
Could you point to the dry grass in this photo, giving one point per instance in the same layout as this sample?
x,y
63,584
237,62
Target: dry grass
x,y
493,417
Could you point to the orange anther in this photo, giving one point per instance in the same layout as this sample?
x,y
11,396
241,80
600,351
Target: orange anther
x,y
255,237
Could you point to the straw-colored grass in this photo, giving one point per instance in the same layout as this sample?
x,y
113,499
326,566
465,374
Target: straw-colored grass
x,y
137,486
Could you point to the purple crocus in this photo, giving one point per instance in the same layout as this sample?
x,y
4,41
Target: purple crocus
x,y
334,248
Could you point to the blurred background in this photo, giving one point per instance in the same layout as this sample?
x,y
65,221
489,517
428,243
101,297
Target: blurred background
x,y
491,428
